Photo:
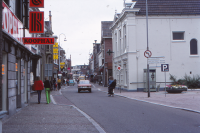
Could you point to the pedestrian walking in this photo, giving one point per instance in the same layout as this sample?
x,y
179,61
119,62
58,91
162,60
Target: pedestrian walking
x,y
59,83
47,86
54,84
38,85
111,87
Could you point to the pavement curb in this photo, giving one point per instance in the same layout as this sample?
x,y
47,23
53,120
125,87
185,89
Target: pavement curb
x,y
186,109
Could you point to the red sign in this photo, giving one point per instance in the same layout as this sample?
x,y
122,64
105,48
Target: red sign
x,y
36,22
36,3
10,24
147,53
119,68
39,40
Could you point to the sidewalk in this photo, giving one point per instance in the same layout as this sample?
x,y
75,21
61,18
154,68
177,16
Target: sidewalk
x,y
50,118
187,100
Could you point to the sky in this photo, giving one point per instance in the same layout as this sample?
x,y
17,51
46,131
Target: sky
x,y
80,22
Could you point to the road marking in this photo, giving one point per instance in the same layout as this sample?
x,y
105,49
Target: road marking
x,y
91,120
52,99
94,86
97,126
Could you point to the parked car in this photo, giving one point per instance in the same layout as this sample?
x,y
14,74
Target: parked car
x,y
71,82
84,85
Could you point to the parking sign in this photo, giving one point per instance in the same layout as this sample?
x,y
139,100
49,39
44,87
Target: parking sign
x,y
164,67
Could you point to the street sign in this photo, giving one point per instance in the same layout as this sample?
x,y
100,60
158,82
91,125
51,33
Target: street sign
x,y
147,53
36,3
119,68
164,67
155,60
36,22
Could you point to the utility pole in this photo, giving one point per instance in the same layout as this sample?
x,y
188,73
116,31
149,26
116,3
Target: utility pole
x,y
147,49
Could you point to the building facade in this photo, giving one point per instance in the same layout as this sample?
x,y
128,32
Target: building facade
x,y
168,36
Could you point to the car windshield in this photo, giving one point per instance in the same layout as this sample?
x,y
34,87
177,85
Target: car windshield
x,y
84,82
71,81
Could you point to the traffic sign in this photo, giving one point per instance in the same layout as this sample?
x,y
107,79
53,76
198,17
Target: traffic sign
x,y
164,67
119,68
147,53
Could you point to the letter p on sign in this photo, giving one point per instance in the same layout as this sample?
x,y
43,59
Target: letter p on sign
x,y
165,67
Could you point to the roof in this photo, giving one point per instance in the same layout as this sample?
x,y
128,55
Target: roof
x,y
169,7
105,29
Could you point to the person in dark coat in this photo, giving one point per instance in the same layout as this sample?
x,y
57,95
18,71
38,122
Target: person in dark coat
x,y
111,87
47,86
38,85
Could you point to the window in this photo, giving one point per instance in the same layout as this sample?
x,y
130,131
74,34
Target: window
x,y
124,39
178,35
193,47
120,37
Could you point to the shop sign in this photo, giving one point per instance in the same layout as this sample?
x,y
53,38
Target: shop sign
x,y
36,22
55,57
36,3
3,69
11,24
16,67
55,50
38,40
55,45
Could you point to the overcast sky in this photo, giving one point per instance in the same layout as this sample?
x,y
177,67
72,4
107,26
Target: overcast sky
x,y
80,21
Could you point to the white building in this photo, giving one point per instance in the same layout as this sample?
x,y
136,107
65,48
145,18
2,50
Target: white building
x,y
173,32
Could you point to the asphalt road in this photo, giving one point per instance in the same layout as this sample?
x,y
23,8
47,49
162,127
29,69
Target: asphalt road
x,y
122,115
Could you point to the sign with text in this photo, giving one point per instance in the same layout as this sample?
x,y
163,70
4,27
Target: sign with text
x,y
155,60
38,40
55,45
36,22
10,24
55,57
55,50
165,67
36,3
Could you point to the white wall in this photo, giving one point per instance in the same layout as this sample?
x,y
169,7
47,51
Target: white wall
x,y
177,53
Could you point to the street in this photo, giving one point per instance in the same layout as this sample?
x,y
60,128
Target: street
x,y
122,115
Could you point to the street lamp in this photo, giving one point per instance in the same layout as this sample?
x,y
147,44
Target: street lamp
x,y
59,49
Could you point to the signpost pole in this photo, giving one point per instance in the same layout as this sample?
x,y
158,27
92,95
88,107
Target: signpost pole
x,y
119,81
147,49
165,84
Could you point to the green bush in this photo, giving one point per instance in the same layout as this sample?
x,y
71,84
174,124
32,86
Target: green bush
x,y
190,82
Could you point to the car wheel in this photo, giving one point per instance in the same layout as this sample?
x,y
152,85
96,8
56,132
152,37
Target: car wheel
x,y
90,90
79,91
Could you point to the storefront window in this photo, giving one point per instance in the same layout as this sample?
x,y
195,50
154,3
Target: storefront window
x,y
4,82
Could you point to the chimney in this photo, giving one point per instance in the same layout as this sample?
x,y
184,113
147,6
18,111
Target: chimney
x,y
50,22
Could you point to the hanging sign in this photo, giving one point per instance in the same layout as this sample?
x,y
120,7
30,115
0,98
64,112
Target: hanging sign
x,y
36,3
55,50
36,22
55,57
38,40
3,69
55,45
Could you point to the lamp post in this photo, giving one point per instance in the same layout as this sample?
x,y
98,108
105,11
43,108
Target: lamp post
x,y
59,50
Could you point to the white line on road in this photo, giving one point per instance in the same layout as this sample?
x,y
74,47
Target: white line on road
x,y
97,126
91,120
